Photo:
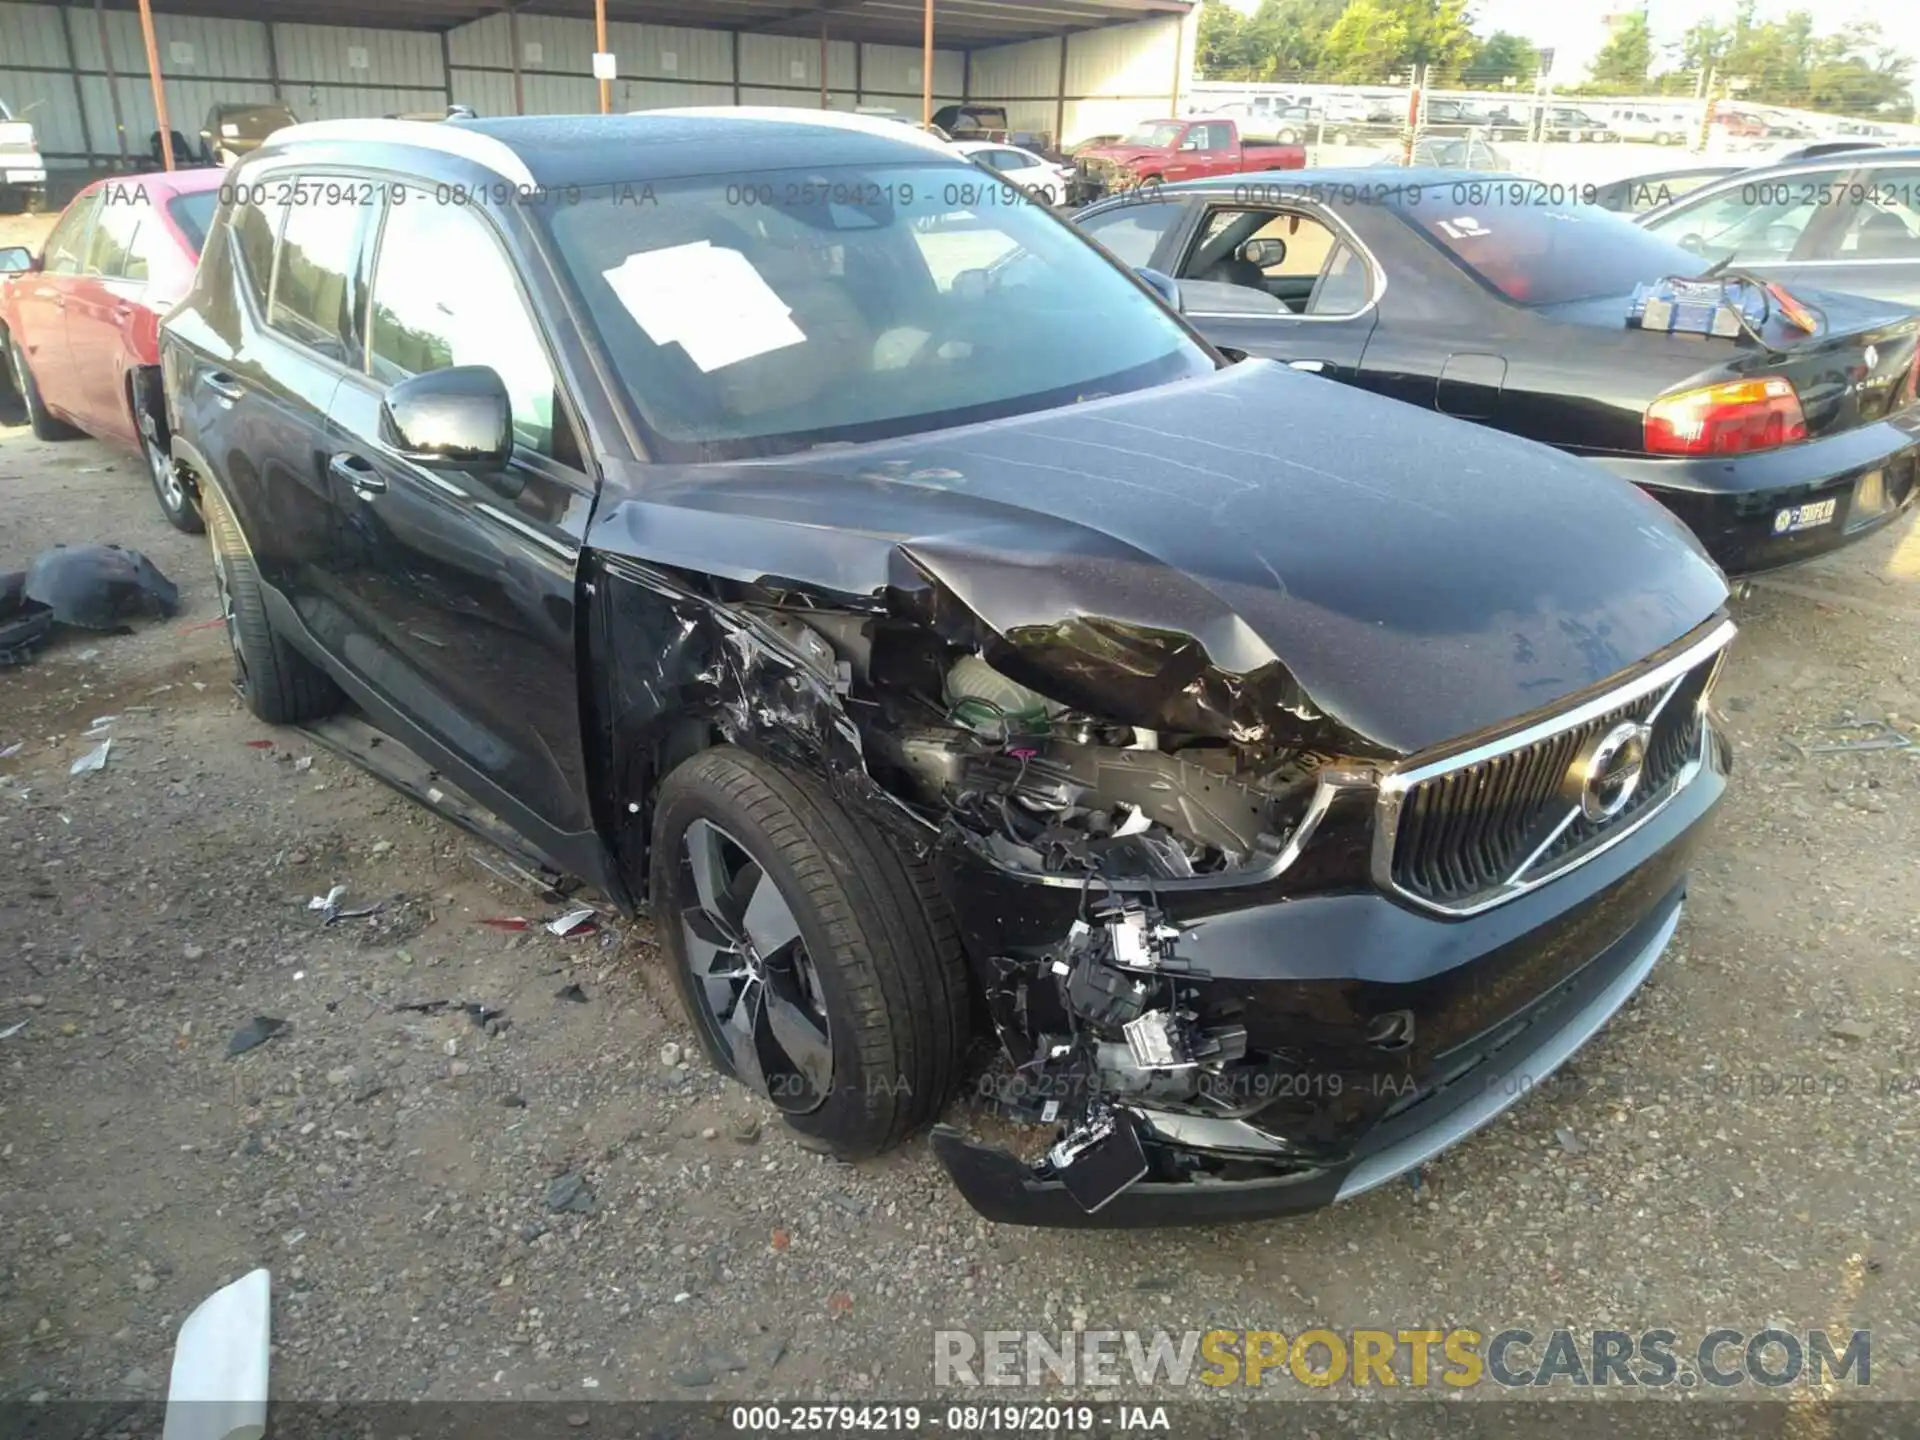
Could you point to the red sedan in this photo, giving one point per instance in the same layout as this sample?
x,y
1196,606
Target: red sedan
x,y
80,322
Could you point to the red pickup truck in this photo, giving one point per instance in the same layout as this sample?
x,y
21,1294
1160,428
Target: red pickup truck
x,y
1159,150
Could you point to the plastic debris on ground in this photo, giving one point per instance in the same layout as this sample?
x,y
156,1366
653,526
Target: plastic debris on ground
x,y
99,587
255,1033
13,1030
260,744
1872,735
575,922
573,993
328,903
507,922
94,759
13,750
217,1389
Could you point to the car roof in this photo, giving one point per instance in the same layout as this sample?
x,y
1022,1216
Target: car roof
x,y
1848,159
166,182
557,151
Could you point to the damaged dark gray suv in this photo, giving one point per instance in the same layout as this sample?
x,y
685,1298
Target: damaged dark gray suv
x,y
777,523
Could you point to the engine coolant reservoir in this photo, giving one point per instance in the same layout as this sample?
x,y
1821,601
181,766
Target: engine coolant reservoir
x,y
988,703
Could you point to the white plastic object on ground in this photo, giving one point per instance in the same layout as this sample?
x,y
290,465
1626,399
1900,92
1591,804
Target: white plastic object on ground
x,y
94,759
219,1386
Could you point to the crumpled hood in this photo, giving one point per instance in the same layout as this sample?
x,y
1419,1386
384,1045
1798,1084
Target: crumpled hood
x,y
1257,553
1117,155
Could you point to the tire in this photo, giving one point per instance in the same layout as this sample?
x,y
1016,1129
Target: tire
x,y
176,500
45,427
852,1012
280,685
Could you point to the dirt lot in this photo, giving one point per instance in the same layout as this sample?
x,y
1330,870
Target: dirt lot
x,y
1736,1148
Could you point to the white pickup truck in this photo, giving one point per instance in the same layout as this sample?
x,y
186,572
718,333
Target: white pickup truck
x,y
23,174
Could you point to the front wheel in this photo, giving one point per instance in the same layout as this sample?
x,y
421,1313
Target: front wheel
x,y
815,961
45,427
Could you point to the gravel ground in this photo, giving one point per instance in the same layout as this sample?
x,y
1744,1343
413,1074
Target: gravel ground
x,y
1735,1148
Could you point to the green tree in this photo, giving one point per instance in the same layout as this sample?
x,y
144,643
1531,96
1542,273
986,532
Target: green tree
x,y
1499,56
1622,64
1290,36
1376,38
1220,52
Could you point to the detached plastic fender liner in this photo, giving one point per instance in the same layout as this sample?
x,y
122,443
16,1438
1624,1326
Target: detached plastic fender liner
x,y
219,1386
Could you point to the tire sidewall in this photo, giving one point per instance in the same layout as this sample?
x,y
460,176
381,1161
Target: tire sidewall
x,y
849,1109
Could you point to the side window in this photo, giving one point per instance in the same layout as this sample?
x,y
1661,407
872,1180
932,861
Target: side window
x,y
115,253
255,228
1132,232
1885,223
1731,225
66,246
1001,160
1342,289
310,274
444,294
1216,137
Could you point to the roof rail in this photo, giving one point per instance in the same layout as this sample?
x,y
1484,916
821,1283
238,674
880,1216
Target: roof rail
x,y
827,119
483,150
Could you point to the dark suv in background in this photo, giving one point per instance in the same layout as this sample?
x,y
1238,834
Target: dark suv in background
x,y
893,593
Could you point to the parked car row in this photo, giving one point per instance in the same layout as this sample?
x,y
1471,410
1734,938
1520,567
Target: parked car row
x,y
945,619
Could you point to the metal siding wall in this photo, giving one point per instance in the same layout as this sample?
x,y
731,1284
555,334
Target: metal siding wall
x,y
395,58
487,91
30,35
672,94
1128,60
892,71
697,54
1031,68
484,42
55,114
777,60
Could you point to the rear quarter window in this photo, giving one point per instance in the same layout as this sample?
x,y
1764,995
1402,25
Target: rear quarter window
x,y
1546,254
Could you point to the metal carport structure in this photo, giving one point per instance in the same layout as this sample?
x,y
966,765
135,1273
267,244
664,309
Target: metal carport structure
x,y
94,74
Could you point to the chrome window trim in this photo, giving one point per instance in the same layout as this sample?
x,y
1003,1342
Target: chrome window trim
x,y
1396,784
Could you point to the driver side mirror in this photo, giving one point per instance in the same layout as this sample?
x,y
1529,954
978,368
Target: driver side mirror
x,y
454,419
1162,284
16,260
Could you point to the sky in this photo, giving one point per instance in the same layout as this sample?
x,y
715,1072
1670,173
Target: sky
x,y
1575,30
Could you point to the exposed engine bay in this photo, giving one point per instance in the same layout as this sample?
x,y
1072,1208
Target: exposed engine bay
x,y
1109,1016
1038,787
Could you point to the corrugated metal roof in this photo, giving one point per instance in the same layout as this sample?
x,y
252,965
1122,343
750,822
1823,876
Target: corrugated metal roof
x,y
958,24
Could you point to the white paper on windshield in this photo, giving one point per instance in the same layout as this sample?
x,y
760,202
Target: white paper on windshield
x,y
706,299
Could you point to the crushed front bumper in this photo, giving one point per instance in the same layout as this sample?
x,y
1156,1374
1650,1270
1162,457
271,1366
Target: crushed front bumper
x,y
1506,996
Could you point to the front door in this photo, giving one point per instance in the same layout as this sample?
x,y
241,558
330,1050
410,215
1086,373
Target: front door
x,y
41,310
457,587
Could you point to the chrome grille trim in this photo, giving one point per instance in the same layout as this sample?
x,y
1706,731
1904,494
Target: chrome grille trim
x,y
1661,681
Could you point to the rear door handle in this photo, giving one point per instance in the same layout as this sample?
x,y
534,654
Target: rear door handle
x,y
224,385
349,467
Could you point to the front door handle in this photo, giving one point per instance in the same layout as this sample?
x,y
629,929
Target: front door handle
x,y
349,467
224,385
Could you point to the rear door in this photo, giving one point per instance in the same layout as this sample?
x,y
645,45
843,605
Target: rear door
x,y
264,407
456,588
40,311
106,311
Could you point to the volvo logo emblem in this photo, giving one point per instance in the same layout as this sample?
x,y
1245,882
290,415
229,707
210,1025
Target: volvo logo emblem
x,y
1606,774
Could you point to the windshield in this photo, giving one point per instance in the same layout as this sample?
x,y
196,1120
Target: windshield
x,y
1154,137
754,314
1545,254
194,215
